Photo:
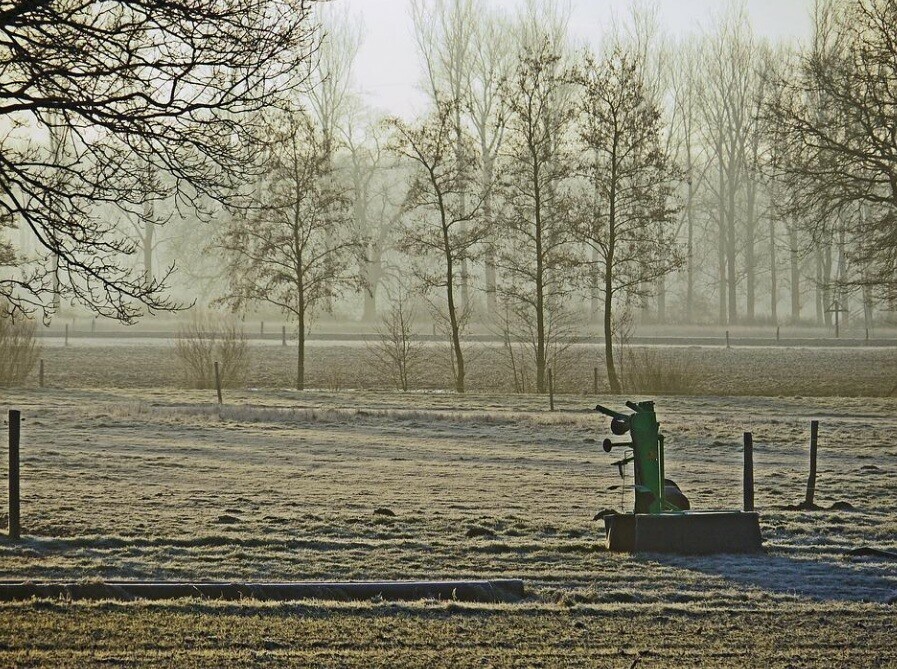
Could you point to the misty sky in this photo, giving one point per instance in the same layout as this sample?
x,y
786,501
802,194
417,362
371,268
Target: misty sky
x,y
388,70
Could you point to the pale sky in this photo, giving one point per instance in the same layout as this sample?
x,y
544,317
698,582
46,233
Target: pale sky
x,y
388,69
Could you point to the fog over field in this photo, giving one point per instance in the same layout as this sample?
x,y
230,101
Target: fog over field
x,y
306,307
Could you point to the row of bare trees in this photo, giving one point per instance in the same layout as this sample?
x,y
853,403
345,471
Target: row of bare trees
x,y
545,187
558,180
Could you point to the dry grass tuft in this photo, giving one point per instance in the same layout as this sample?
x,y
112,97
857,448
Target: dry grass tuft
x,y
651,371
205,341
18,350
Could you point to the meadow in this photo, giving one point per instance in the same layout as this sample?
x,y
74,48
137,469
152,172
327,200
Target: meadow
x,y
162,483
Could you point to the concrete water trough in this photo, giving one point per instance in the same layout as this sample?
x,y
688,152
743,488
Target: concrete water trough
x,y
685,533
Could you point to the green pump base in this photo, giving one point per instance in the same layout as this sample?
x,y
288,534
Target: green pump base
x,y
686,533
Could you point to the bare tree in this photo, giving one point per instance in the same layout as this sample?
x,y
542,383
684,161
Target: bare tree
x,y
627,222
838,114
375,177
756,155
444,30
131,85
491,62
726,126
330,89
439,227
396,350
295,250
685,77
536,256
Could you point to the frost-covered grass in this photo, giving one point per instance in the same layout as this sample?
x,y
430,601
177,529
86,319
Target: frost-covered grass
x,y
433,634
279,485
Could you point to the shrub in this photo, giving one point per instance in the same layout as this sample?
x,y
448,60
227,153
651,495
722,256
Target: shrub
x,y
207,340
395,353
19,350
652,371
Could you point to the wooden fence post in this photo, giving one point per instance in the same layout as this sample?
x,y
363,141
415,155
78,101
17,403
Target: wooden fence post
x,y
40,373
594,380
748,471
283,335
66,334
218,383
727,339
15,420
811,479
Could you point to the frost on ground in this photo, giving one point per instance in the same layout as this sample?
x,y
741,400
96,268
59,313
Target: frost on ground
x,y
278,485
281,485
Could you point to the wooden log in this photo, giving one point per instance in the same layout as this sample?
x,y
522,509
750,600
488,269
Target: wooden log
x,y
498,590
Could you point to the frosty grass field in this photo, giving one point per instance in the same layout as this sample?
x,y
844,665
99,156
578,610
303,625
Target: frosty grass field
x,y
160,483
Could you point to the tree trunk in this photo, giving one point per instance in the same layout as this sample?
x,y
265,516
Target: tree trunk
x,y
458,354
689,226
843,295
867,306
491,283
731,251
820,299
373,271
456,336
462,203
596,292
773,274
794,256
826,281
750,256
613,380
721,266
540,319
721,247
491,278
465,286
300,355
689,267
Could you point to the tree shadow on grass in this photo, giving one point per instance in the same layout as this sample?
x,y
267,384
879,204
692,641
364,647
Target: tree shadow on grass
x,y
822,579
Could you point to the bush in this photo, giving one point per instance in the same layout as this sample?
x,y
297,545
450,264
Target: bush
x,y
395,354
205,341
663,372
19,350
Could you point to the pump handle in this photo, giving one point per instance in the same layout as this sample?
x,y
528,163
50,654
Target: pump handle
x,y
610,412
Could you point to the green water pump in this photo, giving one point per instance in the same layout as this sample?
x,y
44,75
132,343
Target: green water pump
x,y
662,521
646,454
